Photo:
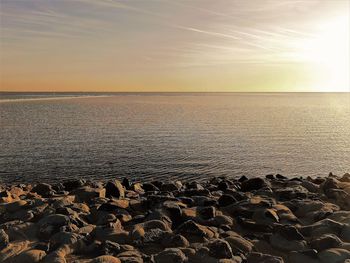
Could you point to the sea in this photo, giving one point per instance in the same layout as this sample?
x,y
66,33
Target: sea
x,y
51,137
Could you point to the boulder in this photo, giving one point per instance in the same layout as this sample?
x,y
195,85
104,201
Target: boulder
x,y
253,184
73,184
87,193
4,239
105,259
170,255
334,255
326,241
309,256
282,243
226,200
43,189
256,257
29,256
115,189
220,249
195,232
238,243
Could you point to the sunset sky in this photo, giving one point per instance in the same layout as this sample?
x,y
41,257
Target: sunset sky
x,y
167,45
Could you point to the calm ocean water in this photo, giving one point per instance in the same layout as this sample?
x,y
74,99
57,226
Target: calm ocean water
x,y
50,137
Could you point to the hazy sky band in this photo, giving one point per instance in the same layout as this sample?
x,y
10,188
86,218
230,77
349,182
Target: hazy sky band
x,y
110,45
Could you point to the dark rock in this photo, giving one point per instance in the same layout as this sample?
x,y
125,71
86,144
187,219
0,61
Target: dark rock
x,y
325,242
4,239
226,200
158,184
220,249
149,187
253,226
281,177
87,193
170,255
242,178
43,189
169,187
256,257
253,184
176,241
194,186
194,232
43,246
270,176
63,238
110,248
223,185
73,184
115,189
289,232
207,212
126,183
294,192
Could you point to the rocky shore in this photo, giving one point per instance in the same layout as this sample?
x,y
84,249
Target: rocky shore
x,y
273,219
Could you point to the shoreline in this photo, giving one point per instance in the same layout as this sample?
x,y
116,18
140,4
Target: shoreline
x,y
271,219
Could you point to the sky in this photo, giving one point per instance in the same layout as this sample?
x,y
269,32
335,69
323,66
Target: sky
x,y
181,46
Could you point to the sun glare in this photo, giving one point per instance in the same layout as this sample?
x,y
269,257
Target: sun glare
x,y
328,52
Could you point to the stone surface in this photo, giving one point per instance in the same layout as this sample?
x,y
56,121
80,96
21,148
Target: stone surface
x,y
221,220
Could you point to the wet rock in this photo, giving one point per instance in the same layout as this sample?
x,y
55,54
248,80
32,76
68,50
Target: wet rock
x,y
238,243
325,226
194,186
115,189
289,232
195,232
73,184
206,212
110,248
256,257
126,183
334,255
281,177
325,242
176,241
282,243
87,193
309,256
253,184
63,238
4,239
149,187
226,200
294,192
15,206
43,189
29,256
170,255
270,176
51,224
169,187
220,249
5,197
243,178
105,259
